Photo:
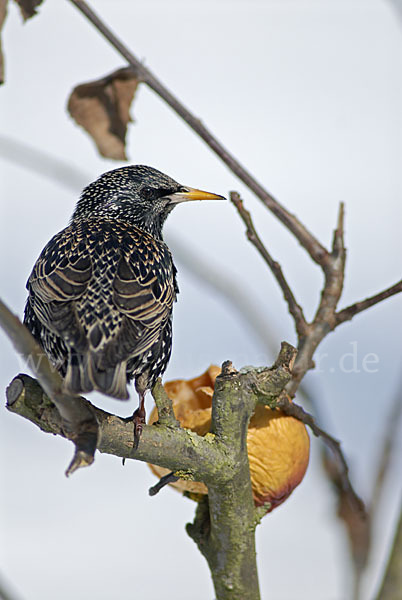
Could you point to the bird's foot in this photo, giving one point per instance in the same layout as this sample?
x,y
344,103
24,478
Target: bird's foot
x,y
139,421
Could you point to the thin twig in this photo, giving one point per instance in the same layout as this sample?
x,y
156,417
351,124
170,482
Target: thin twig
x,y
164,405
294,308
356,523
334,270
163,481
317,252
293,410
324,320
348,313
360,530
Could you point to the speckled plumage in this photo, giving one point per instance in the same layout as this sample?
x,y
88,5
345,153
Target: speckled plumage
x,y
101,292
101,295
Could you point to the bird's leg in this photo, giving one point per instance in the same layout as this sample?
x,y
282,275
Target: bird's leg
x,y
141,385
139,419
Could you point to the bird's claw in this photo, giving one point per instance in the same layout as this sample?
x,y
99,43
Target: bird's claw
x,y
139,421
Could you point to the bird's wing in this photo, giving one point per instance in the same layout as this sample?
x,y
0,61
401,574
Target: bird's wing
x,y
59,278
107,290
143,291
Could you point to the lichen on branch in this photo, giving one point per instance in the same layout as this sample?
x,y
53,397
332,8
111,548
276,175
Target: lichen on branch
x,y
219,460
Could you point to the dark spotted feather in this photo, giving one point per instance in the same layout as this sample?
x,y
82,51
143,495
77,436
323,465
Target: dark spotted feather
x,y
100,303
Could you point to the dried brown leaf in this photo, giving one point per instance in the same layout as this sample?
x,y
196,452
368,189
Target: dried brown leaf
x,y
3,13
28,7
102,108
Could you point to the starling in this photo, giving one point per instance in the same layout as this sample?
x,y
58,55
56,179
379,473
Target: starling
x,y
101,292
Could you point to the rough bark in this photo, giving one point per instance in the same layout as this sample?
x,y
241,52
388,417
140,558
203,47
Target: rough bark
x,y
224,527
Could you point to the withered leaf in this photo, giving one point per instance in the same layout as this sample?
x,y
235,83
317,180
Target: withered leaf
x,y
28,7
102,108
3,12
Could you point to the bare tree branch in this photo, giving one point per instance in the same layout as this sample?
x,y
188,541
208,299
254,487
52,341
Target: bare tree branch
x,y
163,481
348,313
283,365
356,522
360,529
311,334
293,410
333,267
164,405
78,420
294,308
170,447
333,264
219,459
306,239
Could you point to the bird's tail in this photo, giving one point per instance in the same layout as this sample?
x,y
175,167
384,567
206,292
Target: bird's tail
x,y
84,375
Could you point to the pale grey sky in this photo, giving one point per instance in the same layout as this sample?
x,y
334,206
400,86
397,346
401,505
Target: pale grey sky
x,y
307,94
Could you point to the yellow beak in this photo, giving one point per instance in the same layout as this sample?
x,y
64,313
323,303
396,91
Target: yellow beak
x,y
193,194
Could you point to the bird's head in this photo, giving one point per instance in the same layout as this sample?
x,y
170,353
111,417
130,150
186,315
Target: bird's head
x,y
136,194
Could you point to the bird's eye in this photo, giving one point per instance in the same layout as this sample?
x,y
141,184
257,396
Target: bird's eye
x,y
147,192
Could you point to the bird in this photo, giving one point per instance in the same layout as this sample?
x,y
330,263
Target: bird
x,y
101,293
